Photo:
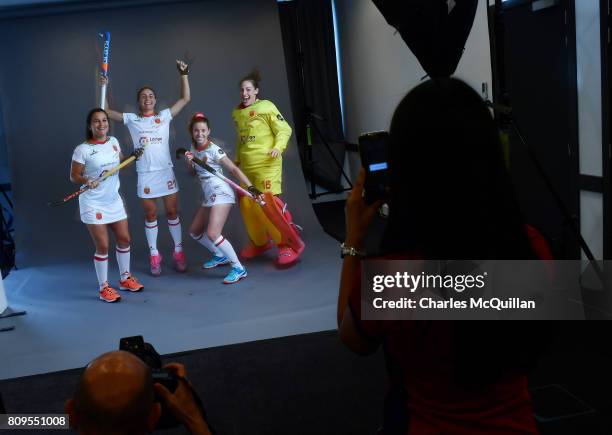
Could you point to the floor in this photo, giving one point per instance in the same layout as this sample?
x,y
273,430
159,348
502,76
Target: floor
x,y
66,325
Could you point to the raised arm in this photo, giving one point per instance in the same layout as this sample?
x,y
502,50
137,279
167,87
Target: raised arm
x,y
112,114
183,69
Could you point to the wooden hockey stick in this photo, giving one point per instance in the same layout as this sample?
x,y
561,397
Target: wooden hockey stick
x,y
100,179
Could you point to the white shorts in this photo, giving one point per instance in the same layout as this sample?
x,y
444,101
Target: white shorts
x,y
215,191
156,184
106,214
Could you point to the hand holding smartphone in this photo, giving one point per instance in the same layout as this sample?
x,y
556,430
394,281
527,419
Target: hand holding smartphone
x,y
373,152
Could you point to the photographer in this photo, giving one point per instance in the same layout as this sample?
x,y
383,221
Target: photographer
x,y
116,395
450,199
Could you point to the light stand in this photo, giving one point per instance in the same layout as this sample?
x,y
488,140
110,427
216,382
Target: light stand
x,y
311,124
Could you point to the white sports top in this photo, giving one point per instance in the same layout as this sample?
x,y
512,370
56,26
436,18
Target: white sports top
x,y
154,131
99,158
212,154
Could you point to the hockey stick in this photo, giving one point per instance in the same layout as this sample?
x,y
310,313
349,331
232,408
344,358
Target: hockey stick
x,y
100,179
105,55
181,152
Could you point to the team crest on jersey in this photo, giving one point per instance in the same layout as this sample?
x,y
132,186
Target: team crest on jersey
x,y
157,121
280,117
98,215
252,113
147,190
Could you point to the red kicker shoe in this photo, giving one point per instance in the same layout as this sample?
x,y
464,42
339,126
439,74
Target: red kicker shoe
x,y
252,251
286,256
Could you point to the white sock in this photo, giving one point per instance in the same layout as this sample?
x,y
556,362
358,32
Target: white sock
x,y
175,231
151,233
101,265
123,260
228,250
203,240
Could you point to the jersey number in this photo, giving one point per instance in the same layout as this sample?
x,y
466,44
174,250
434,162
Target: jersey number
x,y
171,184
267,184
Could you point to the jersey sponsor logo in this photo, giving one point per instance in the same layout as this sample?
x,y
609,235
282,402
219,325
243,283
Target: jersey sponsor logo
x,y
93,153
98,215
221,152
280,117
246,139
144,141
115,148
252,113
147,190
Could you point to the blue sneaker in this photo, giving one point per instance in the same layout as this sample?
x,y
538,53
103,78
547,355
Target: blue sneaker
x,y
235,275
215,261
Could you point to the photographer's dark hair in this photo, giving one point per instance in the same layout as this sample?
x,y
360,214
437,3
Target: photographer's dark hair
x,y
446,152
452,199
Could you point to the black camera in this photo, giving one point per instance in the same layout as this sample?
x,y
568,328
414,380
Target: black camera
x,y
373,150
146,352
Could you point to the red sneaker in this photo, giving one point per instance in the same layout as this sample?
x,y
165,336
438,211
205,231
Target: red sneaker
x,y
109,294
180,264
251,250
131,284
286,256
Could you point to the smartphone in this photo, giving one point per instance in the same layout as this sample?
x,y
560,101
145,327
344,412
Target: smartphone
x,y
373,149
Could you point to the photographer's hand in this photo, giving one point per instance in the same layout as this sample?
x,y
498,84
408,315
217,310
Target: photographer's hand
x,y
182,403
359,214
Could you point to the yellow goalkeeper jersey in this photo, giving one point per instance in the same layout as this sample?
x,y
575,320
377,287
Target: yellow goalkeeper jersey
x,y
260,128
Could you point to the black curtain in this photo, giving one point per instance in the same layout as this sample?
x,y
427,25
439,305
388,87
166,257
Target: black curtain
x,y
310,54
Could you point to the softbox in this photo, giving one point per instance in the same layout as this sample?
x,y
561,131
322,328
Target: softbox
x,y
434,30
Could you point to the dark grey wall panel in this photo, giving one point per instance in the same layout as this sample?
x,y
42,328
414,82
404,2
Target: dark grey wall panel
x,y
48,82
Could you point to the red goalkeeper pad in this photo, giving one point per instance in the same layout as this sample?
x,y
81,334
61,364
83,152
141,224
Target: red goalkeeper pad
x,y
280,217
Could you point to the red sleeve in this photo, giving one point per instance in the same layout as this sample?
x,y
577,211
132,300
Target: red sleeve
x,y
539,244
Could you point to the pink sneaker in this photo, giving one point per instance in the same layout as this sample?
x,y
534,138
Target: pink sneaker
x,y
156,264
180,264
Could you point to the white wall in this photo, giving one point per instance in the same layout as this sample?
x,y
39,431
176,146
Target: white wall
x,y
378,69
588,57
588,60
